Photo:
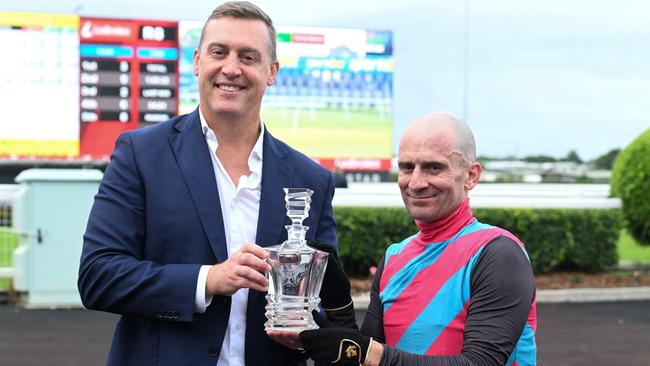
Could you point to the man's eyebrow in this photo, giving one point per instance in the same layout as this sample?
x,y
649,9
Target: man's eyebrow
x,y
216,44
249,49
228,48
433,164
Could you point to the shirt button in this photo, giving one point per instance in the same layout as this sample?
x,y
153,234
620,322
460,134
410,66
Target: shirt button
x,y
213,351
238,327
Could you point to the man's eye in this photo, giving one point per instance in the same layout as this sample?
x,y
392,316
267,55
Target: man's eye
x,y
248,58
218,52
435,168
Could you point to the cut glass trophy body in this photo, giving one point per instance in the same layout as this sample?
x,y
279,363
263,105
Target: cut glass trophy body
x,y
296,271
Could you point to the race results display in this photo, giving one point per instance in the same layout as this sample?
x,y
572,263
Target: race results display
x,y
128,78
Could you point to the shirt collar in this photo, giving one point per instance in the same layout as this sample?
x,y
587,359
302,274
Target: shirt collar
x,y
446,228
256,153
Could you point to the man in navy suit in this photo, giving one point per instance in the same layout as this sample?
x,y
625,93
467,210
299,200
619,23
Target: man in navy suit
x,y
174,239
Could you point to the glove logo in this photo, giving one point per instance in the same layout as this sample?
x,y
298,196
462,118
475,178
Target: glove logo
x,y
348,351
351,352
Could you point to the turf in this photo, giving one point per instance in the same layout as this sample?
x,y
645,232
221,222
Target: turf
x,y
329,133
8,242
630,250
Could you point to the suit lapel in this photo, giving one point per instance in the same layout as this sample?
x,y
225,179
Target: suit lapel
x,y
194,161
276,175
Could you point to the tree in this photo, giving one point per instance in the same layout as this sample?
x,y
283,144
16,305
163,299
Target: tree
x,y
631,182
573,156
540,159
606,161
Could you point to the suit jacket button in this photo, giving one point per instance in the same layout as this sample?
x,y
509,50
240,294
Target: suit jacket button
x,y
213,351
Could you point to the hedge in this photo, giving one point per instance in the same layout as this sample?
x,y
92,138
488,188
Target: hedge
x,y
556,239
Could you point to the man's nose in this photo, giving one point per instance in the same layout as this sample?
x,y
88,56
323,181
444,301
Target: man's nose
x,y
418,180
231,67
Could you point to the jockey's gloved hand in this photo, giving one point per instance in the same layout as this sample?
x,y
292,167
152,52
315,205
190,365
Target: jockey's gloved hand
x,y
330,345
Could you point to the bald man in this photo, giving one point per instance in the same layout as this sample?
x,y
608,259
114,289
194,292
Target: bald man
x,y
458,292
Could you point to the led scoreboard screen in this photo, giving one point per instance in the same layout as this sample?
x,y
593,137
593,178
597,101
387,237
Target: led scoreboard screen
x,y
333,99
128,78
39,74
71,85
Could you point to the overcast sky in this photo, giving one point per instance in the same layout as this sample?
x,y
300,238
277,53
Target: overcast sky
x,y
544,77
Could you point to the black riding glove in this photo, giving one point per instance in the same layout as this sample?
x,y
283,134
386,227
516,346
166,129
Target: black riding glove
x,y
334,346
335,291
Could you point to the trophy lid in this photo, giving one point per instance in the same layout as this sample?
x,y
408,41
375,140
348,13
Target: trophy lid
x,y
298,203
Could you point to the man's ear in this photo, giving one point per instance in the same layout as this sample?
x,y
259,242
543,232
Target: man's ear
x,y
195,62
473,175
275,67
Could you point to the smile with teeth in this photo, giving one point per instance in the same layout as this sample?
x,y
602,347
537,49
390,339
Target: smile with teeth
x,y
229,88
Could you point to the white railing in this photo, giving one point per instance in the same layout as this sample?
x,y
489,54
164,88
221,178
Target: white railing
x,y
490,196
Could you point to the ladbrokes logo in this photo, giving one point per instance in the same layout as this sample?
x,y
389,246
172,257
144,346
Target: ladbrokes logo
x,y
106,30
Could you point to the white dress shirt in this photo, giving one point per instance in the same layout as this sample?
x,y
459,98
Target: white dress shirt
x,y
240,207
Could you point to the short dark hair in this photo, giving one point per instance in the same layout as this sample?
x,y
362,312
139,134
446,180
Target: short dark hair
x,y
244,10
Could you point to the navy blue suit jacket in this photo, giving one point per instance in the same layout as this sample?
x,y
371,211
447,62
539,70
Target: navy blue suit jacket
x,y
157,218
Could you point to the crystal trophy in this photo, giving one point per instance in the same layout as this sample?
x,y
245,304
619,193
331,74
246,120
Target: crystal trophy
x,y
296,271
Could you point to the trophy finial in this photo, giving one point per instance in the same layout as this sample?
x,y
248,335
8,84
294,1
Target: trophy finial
x,y
298,202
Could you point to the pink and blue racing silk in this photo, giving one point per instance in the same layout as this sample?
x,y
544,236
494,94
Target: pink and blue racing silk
x,y
425,288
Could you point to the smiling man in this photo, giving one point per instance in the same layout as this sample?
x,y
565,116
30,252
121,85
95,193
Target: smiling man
x,y
459,292
174,239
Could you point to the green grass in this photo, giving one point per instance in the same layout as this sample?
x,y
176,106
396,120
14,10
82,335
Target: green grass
x,y
8,242
630,250
328,133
